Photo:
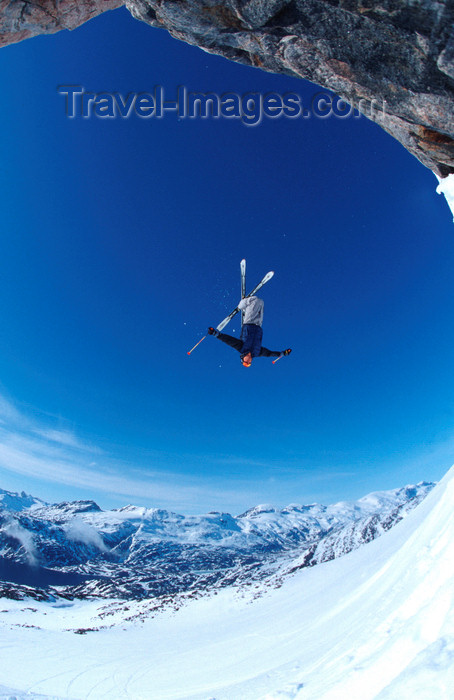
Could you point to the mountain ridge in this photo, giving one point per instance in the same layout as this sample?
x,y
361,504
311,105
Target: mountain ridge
x,y
138,553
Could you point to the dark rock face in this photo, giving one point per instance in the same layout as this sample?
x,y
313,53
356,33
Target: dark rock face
x,y
394,59
396,54
22,19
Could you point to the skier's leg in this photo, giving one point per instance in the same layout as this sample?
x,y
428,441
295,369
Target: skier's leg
x,y
230,340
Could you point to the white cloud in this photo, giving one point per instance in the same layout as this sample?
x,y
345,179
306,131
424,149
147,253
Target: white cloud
x,y
8,412
15,531
65,438
34,450
80,531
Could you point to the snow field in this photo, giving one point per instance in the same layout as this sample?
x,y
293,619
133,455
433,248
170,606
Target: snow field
x,y
377,624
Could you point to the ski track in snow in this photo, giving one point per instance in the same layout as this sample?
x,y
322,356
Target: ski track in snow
x,y
376,624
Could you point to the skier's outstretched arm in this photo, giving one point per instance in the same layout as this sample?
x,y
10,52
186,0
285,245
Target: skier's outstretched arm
x,y
264,352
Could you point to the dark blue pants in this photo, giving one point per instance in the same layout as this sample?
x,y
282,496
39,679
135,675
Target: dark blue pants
x,y
248,342
251,336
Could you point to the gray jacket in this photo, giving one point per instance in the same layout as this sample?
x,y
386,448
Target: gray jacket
x,y
253,310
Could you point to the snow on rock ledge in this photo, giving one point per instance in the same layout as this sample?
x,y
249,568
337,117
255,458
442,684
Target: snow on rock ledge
x,y
446,187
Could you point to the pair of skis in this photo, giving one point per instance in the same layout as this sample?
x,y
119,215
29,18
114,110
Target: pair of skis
x,y
262,282
228,318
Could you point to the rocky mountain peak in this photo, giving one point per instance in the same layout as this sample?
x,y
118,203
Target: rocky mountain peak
x,y
18,501
67,510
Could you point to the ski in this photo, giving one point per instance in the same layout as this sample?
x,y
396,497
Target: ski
x,y
243,278
243,284
228,318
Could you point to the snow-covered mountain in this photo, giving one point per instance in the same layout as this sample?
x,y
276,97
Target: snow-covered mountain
x,y
77,550
18,501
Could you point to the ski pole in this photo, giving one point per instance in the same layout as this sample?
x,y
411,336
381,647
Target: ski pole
x,y
278,358
197,344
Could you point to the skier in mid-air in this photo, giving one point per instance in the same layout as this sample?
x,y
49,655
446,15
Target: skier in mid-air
x,y
249,344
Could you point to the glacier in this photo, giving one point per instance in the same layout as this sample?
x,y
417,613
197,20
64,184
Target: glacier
x,y
374,624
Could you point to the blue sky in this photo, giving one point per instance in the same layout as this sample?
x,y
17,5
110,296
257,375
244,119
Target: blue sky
x,y
120,244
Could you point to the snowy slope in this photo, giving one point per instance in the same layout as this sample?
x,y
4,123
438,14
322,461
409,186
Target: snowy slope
x,y
376,624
